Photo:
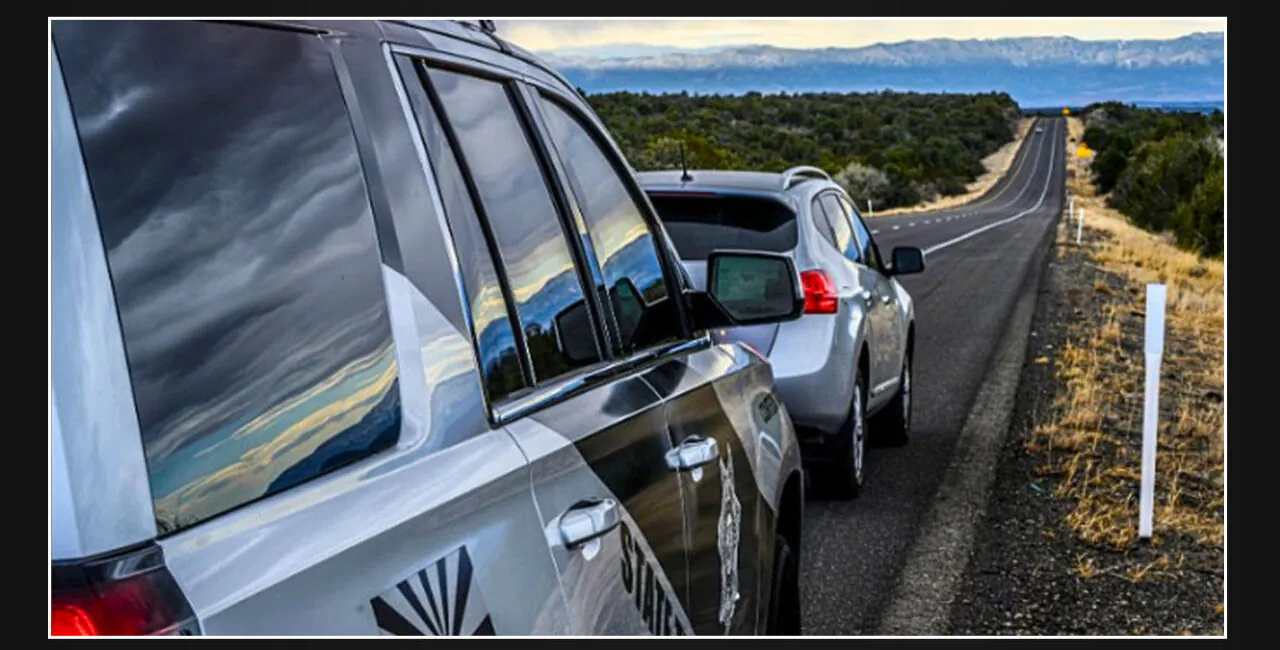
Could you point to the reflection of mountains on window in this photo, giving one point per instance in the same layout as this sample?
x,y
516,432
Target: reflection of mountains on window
x,y
499,358
557,328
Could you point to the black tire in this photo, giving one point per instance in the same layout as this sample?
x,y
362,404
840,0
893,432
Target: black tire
x,y
784,593
894,427
843,478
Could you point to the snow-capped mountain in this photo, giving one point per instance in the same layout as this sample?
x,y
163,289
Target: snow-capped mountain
x,y
1032,69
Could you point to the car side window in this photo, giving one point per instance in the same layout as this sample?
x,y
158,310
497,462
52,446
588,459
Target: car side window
x,y
845,240
243,254
870,252
516,202
495,342
643,307
822,222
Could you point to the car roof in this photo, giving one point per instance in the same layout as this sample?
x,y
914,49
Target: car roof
x,y
733,180
463,32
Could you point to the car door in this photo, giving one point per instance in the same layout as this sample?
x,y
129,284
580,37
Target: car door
x,y
317,449
594,432
890,335
868,291
708,399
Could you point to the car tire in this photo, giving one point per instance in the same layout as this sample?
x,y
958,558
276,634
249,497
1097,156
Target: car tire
x,y
894,427
784,593
844,477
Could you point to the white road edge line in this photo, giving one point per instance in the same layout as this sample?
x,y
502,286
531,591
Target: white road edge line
x,y
937,247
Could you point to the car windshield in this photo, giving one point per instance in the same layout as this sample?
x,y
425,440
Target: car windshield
x,y
699,223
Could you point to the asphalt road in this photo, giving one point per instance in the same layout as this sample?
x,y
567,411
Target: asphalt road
x,y
976,257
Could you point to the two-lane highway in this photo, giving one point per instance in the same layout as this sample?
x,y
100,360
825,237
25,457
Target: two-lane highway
x,y
977,256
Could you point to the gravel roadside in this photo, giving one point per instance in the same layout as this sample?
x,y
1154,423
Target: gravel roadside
x,y
1041,567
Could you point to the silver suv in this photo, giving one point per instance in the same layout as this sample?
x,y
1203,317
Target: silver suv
x,y
849,356
365,328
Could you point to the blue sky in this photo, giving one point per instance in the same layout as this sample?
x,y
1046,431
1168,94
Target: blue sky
x,y
620,36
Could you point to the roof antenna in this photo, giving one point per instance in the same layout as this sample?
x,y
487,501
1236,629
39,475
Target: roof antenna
x,y
684,166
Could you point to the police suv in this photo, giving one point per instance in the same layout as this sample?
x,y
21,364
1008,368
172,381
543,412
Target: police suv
x,y
365,328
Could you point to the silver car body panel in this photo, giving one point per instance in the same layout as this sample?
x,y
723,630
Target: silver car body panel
x,y
101,499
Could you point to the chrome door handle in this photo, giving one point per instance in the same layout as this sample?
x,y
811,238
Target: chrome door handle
x,y
693,453
588,520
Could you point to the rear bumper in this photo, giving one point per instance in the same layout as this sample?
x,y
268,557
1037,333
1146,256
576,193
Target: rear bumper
x,y
813,369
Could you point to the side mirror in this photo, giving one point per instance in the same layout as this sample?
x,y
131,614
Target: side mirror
x,y
907,260
750,288
573,335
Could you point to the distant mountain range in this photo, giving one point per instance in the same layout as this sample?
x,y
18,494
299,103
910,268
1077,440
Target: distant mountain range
x,y
1035,71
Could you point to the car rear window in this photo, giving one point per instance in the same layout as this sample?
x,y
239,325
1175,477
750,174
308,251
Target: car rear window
x,y
701,223
243,253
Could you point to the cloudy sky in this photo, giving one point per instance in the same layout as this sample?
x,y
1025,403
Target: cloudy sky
x,y
619,36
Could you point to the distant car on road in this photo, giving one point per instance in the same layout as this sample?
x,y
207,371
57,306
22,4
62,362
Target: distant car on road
x,y
366,328
849,356
1039,129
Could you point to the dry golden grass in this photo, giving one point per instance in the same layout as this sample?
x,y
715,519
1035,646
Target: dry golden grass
x,y
1091,440
996,164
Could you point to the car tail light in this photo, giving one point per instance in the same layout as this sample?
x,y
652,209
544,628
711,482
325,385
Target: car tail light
x,y
131,594
820,295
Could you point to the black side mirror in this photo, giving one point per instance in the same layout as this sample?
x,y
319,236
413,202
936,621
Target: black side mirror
x,y
907,260
573,335
749,288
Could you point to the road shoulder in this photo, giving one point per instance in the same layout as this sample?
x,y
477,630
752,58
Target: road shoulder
x,y
1057,551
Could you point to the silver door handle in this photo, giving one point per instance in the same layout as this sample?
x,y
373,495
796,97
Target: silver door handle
x,y
587,521
693,453
885,299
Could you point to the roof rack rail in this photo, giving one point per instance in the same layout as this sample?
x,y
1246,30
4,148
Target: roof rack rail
x,y
791,176
486,26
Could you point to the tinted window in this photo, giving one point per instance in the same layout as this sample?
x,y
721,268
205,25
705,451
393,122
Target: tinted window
x,y
642,304
820,221
495,338
845,241
701,223
869,251
242,248
517,203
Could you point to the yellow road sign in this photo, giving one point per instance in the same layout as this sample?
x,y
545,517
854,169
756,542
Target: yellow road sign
x,y
1066,111
1084,151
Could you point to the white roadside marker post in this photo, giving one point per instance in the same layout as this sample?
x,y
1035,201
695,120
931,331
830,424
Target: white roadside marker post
x,y
1079,226
870,211
1154,350
1072,202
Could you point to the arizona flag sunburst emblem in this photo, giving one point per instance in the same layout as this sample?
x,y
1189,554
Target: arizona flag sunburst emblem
x,y
440,600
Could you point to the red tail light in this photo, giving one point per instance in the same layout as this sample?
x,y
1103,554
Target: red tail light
x,y
128,595
820,295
